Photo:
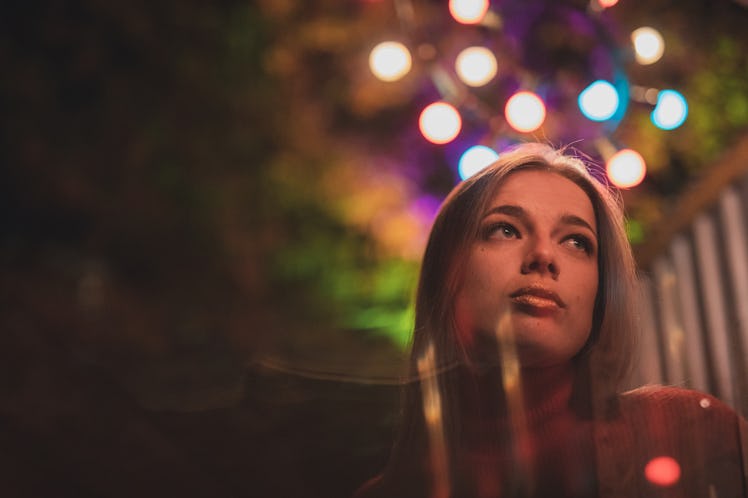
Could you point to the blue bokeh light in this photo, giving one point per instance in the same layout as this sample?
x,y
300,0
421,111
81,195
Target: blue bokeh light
x,y
671,110
475,159
599,101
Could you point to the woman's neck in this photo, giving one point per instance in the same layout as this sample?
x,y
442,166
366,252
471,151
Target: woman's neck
x,y
546,390
502,446
541,393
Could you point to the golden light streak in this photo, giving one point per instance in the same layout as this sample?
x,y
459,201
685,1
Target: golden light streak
x,y
511,380
432,413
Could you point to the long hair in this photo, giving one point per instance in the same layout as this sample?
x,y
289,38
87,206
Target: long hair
x,y
604,361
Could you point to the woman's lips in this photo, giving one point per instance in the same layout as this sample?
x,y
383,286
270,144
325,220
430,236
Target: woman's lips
x,y
537,299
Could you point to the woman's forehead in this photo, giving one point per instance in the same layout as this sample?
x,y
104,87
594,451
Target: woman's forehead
x,y
542,189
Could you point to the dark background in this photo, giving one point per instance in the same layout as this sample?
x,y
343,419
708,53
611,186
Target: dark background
x,y
189,306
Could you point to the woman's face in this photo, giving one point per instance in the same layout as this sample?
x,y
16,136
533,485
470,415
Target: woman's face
x,y
536,260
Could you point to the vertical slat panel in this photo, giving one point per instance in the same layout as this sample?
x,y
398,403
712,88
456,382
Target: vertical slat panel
x,y
683,263
649,368
670,328
732,214
705,235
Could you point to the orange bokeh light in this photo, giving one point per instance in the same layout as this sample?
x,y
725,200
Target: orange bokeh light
x,y
607,3
626,168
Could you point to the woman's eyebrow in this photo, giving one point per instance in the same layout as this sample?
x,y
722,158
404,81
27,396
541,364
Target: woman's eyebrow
x,y
572,219
508,209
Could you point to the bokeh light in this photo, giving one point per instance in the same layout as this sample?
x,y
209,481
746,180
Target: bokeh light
x,y
476,66
390,61
634,231
599,101
606,3
648,45
440,123
525,111
468,11
671,110
663,471
475,159
626,168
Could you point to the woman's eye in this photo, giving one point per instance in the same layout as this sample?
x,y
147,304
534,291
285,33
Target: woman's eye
x,y
502,231
580,243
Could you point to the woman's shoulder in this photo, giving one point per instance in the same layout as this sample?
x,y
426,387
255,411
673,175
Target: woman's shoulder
x,y
678,401
661,393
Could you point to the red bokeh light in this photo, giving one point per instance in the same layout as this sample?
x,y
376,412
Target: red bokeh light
x,y
663,471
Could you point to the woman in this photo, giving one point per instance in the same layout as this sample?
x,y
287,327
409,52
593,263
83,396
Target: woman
x,y
525,319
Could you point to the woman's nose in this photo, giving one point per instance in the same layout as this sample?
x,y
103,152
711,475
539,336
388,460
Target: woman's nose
x,y
540,259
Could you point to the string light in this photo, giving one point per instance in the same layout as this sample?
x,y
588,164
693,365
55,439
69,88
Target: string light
x,y
475,159
440,123
476,66
671,110
626,168
525,111
390,61
648,45
599,101
468,11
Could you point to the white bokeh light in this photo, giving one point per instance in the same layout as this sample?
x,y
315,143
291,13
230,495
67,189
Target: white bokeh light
x,y
476,66
525,111
648,45
599,101
390,61
468,11
475,159
626,168
440,123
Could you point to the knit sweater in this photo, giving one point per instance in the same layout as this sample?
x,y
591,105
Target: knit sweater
x,y
702,440
662,442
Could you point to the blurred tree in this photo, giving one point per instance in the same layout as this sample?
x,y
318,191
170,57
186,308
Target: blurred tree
x,y
232,175
163,196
